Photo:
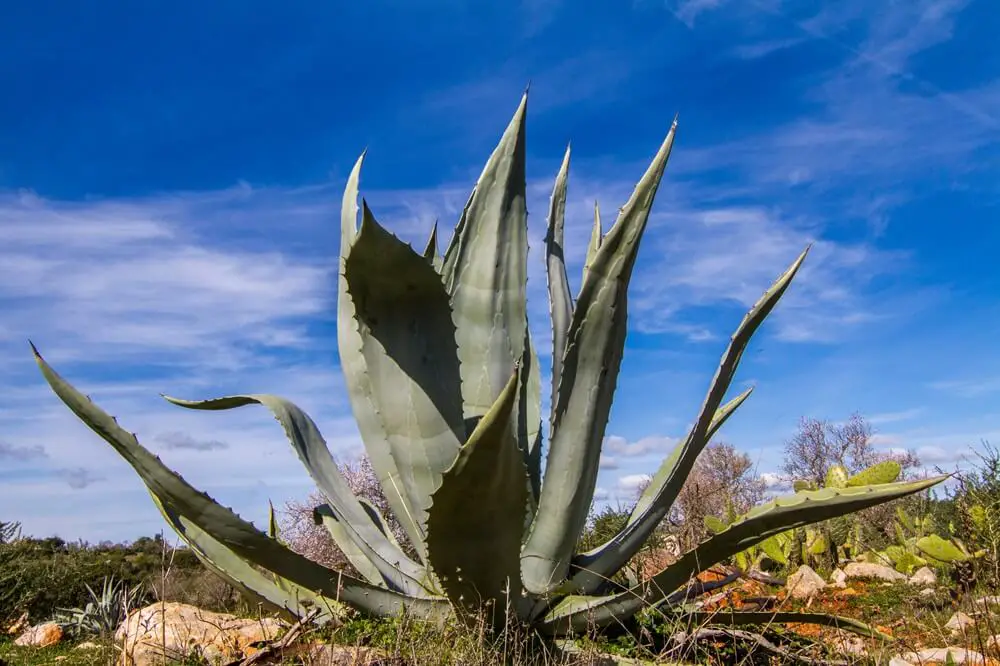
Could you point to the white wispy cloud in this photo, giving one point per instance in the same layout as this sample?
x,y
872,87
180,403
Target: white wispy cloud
x,y
879,125
645,446
968,388
629,484
776,483
894,417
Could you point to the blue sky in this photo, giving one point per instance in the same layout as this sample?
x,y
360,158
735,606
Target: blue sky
x,y
170,173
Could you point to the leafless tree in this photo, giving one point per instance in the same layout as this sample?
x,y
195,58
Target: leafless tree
x,y
723,481
305,537
817,445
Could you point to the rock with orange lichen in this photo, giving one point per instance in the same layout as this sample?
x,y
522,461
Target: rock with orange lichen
x,y
40,635
181,631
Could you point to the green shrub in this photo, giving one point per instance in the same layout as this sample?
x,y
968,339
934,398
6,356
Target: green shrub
x,y
973,512
39,576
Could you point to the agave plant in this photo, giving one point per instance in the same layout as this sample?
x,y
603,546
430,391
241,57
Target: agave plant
x,y
104,611
445,386
9,531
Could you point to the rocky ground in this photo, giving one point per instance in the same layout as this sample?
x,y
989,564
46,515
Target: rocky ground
x,y
925,622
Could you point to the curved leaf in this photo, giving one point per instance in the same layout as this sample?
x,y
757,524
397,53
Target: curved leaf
x,y
400,571
408,344
595,242
527,416
655,501
272,521
477,517
589,374
760,523
274,592
179,498
560,301
430,250
485,272
354,367
325,515
591,571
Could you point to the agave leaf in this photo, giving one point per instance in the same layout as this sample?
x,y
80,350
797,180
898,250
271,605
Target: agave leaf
x,y
593,569
596,235
477,517
408,343
272,522
291,597
178,497
527,416
430,250
485,271
597,565
761,522
560,301
359,386
586,390
325,515
836,477
670,477
379,521
403,573
275,592
886,471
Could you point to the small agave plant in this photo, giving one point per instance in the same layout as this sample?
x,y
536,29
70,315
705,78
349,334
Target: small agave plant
x,y
103,613
444,384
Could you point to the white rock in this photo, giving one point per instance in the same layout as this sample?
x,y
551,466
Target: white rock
x,y
923,577
940,656
927,592
869,570
899,661
838,578
804,583
959,622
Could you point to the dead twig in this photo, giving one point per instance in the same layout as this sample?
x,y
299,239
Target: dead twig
x,y
684,638
277,646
